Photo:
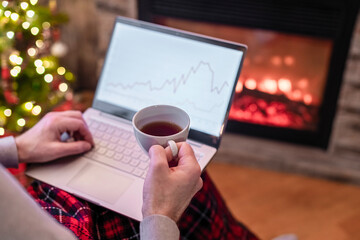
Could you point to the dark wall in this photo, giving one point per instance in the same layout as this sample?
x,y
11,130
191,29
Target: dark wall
x,y
87,35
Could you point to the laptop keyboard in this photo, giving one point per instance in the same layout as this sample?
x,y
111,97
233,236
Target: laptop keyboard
x,y
117,147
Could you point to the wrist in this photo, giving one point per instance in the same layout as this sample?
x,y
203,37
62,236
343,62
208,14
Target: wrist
x,y
161,211
22,156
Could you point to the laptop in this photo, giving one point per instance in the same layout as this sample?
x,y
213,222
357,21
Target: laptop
x,y
147,64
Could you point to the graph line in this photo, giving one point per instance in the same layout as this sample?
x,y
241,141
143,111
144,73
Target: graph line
x,y
193,104
188,102
176,83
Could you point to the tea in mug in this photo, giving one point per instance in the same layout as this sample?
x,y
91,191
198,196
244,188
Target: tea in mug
x,y
161,129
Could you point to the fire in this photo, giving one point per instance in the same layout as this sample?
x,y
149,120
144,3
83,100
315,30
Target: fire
x,y
303,83
296,95
277,87
269,86
239,87
250,83
289,60
284,85
308,99
272,102
276,60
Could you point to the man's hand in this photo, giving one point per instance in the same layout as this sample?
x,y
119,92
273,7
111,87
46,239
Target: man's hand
x,y
168,191
42,142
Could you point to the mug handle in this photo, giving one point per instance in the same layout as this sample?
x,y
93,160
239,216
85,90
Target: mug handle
x,y
173,147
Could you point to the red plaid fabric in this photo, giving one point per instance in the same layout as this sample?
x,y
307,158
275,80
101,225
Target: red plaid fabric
x,y
207,216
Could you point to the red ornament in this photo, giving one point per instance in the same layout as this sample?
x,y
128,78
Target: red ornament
x,y
10,97
55,83
19,35
5,73
56,34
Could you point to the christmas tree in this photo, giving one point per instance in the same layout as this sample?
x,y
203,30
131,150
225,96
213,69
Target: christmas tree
x,y
32,79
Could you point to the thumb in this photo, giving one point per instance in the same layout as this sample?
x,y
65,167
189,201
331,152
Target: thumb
x,y
71,148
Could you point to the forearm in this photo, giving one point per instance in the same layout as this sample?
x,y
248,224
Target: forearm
x,y
158,227
22,217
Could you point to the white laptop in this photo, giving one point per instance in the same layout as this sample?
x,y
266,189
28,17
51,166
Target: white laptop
x,y
147,64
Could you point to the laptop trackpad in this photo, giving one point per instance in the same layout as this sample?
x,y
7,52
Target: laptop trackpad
x,y
100,183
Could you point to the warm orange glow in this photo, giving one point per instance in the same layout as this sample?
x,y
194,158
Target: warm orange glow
x,y
239,87
308,99
296,95
269,85
250,83
271,110
258,59
285,85
276,60
289,60
262,103
303,83
246,62
253,107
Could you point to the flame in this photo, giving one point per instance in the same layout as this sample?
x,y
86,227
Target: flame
x,y
285,85
239,87
308,99
276,60
303,83
269,85
274,110
250,83
289,60
296,95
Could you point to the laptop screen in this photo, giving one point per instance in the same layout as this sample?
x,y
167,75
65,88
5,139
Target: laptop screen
x,y
147,65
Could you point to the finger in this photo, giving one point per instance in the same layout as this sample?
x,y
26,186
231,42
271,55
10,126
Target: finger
x,y
71,148
187,161
71,113
199,184
74,114
169,154
75,125
186,154
158,158
185,149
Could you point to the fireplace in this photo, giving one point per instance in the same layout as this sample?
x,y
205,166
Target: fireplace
x,y
292,73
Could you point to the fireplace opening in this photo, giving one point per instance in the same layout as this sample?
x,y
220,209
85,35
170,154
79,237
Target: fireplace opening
x,y
288,87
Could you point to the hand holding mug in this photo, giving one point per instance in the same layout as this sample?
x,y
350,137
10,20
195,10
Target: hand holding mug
x,y
169,191
162,125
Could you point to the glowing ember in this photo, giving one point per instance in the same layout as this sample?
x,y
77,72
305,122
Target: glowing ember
x,y
264,108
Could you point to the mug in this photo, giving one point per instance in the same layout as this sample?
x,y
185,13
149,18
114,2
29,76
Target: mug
x,y
161,125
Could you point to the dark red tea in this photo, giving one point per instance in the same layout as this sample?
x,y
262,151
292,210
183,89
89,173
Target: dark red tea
x,y
161,128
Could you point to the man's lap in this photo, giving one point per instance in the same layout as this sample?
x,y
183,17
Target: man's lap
x,y
207,216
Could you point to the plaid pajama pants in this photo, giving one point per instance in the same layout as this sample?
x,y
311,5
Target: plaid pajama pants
x,y
207,216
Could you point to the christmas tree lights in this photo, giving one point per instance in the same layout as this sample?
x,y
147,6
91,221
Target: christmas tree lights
x,y
32,80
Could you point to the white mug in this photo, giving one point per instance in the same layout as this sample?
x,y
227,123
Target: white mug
x,y
156,114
